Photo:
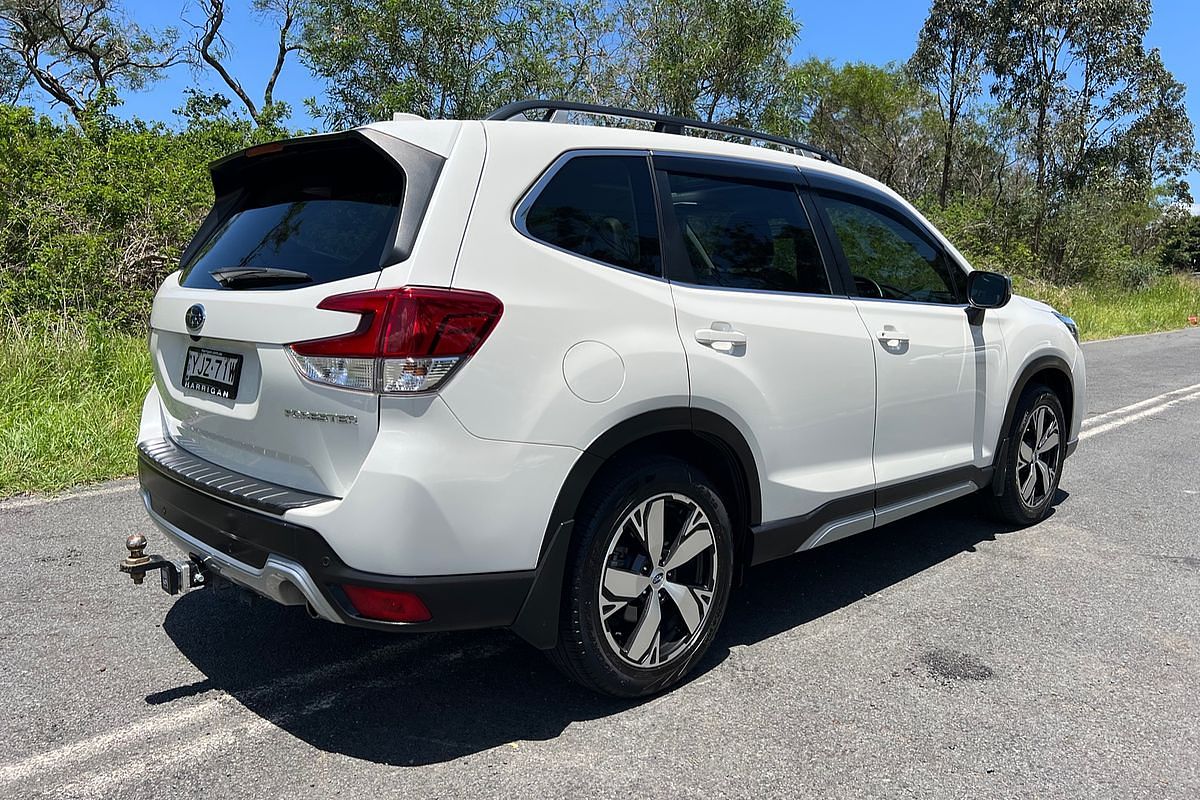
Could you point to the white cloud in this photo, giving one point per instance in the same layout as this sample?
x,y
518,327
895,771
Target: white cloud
x,y
1196,209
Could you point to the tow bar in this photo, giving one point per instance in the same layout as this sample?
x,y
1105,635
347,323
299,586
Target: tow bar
x,y
173,574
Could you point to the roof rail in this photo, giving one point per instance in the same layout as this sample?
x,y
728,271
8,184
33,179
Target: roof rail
x,y
557,110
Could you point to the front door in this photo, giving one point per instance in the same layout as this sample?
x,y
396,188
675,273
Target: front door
x,y
910,295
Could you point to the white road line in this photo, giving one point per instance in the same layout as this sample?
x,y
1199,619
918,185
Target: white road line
x,y
171,719
26,502
223,738
115,740
1132,407
1117,422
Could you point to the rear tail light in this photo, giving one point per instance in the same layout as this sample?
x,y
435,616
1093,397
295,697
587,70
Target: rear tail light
x,y
388,605
408,340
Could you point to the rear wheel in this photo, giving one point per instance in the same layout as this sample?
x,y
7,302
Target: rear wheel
x,y
648,579
1034,459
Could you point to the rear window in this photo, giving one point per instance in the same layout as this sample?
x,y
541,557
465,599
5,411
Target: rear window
x,y
601,207
324,214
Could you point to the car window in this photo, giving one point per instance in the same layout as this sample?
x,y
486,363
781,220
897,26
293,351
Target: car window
x,y
601,207
746,235
887,258
328,218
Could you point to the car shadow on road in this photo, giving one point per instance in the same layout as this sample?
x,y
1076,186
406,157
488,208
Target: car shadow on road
x,y
417,700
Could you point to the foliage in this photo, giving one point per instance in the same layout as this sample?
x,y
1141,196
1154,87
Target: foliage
x,y
75,50
1104,311
447,58
69,402
1180,233
710,59
93,216
949,59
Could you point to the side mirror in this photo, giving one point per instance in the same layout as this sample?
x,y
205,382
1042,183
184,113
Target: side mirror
x,y
987,290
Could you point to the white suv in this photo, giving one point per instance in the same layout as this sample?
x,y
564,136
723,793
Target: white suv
x,y
573,379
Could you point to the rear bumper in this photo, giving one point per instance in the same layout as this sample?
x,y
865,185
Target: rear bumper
x,y
294,565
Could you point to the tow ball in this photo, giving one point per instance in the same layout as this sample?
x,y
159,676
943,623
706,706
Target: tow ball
x,y
174,575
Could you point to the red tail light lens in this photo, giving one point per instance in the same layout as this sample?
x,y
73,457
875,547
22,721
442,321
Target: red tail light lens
x,y
408,340
387,605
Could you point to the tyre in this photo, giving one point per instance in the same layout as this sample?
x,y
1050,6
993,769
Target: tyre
x,y
647,580
1034,458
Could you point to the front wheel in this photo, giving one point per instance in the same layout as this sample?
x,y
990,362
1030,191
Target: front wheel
x,y
648,579
1034,459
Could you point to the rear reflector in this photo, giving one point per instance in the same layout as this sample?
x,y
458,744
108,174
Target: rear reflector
x,y
386,604
407,340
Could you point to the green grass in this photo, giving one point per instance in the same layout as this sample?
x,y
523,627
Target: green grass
x,y
70,397
1103,312
71,391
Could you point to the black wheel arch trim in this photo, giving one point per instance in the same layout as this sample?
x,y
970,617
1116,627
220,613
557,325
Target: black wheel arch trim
x,y
537,623
1034,367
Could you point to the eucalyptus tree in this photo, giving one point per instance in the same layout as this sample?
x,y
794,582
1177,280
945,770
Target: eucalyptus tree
x,y
950,61
448,58
74,51
712,59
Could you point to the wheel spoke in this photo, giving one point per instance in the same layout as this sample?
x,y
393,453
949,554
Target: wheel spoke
x,y
694,543
691,608
1048,444
1025,454
651,529
1044,477
623,584
1028,486
1039,421
646,632
608,608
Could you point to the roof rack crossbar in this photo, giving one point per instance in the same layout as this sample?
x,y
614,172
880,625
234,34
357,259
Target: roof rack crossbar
x,y
663,123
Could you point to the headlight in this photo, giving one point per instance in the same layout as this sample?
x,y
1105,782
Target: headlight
x,y
1070,323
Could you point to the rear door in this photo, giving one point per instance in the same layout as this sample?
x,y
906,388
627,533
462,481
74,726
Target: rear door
x,y
772,343
293,224
911,297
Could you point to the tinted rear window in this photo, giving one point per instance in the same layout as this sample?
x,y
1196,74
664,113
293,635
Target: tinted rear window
x,y
328,212
601,207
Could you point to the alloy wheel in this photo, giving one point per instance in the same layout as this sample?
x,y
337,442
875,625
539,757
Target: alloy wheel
x,y
1037,457
659,578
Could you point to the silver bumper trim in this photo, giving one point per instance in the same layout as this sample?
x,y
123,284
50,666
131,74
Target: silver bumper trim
x,y
280,579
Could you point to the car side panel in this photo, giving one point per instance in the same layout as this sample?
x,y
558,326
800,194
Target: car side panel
x,y
580,347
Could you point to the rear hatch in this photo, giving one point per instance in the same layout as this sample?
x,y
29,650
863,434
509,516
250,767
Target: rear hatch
x,y
293,224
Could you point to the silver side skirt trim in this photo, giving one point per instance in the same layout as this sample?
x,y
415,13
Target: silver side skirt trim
x,y
280,579
866,520
840,529
917,504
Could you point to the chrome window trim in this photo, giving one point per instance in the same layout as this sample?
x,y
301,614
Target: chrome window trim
x,y
780,292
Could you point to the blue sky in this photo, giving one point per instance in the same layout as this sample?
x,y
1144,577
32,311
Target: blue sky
x,y
871,31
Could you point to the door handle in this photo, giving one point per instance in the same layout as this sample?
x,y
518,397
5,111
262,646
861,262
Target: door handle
x,y
892,339
721,336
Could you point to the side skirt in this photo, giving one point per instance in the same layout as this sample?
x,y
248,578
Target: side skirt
x,y
861,512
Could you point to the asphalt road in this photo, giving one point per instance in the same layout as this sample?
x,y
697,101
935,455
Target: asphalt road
x,y
943,656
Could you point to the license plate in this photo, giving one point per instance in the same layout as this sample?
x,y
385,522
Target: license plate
x,y
212,372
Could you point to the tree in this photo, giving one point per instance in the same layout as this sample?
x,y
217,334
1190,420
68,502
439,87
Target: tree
x,y
704,58
74,50
212,49
873,119
1095,97
950,61
448,58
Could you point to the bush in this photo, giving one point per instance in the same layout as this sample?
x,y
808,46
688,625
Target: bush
x,y
92,217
